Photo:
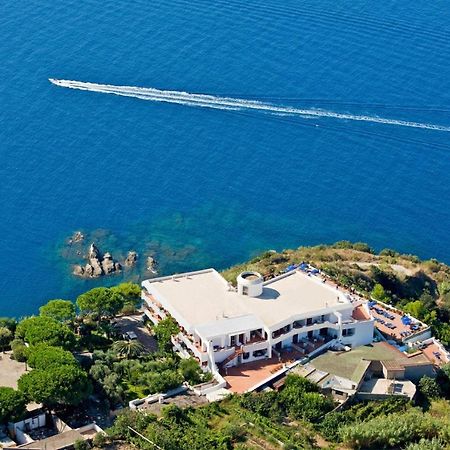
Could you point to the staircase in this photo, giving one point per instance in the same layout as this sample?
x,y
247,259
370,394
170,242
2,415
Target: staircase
x,y
233,356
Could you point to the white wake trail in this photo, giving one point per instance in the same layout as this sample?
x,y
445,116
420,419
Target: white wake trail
x,y
228,103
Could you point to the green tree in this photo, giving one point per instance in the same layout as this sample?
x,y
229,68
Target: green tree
x,y
164,381
164,330
56,385
8,323
5,338
60,310
35,330
100,302
190,370
378,293
12,405
429,388
128,349
130,292
42,356
416,309
19,350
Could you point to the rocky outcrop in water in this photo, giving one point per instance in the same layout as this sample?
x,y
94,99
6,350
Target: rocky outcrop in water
x,y
98,264
77,237
151,264
131,259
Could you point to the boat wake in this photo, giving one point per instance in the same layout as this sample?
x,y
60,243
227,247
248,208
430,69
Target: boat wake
x,y
230,103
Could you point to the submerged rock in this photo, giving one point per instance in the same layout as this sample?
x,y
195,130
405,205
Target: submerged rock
x,y
77,237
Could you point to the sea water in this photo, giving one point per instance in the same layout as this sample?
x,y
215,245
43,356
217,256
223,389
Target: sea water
x,y
196,186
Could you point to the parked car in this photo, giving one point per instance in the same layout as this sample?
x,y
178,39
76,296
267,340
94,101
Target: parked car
x,y
130,336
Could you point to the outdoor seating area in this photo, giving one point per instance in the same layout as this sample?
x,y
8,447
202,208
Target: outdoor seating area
x,y
435,353
394,323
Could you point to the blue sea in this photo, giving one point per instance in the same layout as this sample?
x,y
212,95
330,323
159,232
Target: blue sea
x,y
198,187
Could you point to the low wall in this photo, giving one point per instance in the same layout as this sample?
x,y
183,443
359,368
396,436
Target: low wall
x,y
153,398
18,429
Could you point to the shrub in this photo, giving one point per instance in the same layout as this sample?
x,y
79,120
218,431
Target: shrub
x,y
5,337
19,350
429,388
378,293
164,381
8,323
164,330
389,252
392,430
424,444
81,444
190,370
100,440
265,403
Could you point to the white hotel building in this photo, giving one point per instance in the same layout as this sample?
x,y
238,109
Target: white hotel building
x,y
223,326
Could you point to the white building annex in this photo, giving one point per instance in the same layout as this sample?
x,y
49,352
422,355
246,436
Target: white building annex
x,y
222,326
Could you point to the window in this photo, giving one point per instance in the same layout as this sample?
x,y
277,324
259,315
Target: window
x,y
233,341
348,332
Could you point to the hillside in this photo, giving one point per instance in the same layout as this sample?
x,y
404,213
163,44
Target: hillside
x,y
420,287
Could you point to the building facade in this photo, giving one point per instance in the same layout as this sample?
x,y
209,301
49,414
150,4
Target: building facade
x,y
222,326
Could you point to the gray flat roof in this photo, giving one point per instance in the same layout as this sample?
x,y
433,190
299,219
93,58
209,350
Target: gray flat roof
x,y
56,442
204,297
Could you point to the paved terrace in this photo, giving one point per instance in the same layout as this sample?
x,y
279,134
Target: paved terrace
x,y
244,377
435,354
389,322
10,370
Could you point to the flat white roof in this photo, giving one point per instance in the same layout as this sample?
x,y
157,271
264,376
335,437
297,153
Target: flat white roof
x,y
204,298
233,325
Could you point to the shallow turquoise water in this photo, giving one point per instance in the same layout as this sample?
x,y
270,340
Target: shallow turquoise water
x,y
199,187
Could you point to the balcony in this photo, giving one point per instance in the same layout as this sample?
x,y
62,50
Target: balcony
x,y
280,332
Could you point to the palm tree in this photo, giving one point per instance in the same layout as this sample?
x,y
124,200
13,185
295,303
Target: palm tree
x,y
128,349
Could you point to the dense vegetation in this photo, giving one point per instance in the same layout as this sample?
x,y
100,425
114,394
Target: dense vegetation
x,y
290,419
118,370
122,379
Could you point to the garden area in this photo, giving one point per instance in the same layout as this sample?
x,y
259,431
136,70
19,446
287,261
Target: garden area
x,y
73,351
